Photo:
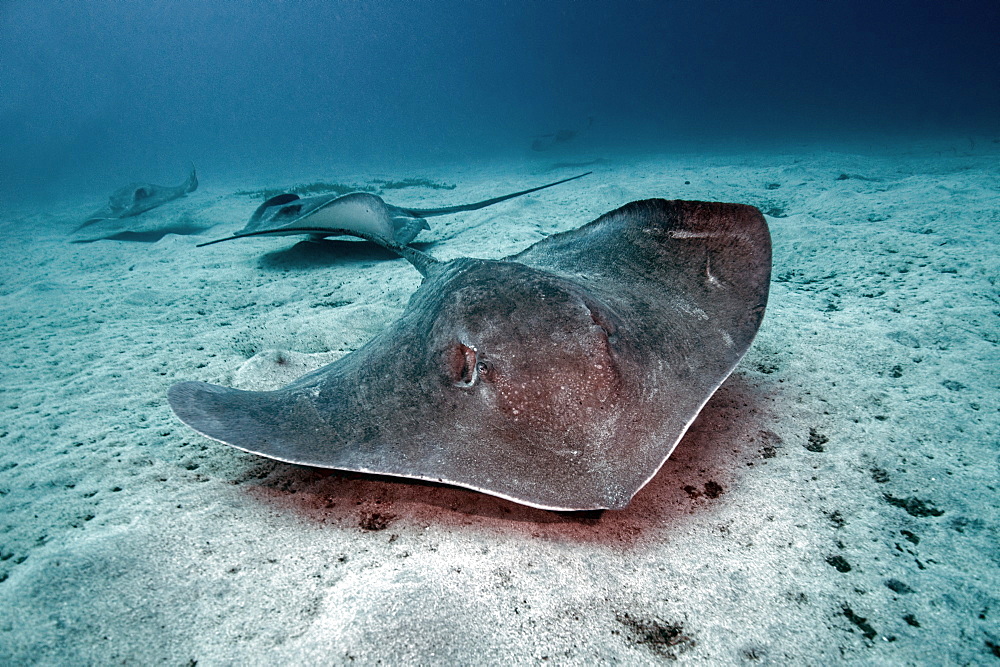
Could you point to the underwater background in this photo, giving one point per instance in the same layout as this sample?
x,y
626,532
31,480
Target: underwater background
x,y
837,501
102,89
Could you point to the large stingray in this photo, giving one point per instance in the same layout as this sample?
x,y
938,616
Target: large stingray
x,y
561,377
359,214
136,198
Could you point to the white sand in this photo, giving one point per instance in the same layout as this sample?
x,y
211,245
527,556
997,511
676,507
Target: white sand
x,y
127,538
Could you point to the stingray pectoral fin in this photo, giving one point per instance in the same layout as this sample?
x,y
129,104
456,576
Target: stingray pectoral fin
x,y
420,260
292,425
274,424
280,231
277,200
314,233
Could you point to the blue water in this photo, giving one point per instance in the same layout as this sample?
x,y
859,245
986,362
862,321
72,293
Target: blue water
x,y
105,88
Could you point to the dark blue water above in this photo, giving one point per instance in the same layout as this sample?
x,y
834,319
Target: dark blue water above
x,y
107,86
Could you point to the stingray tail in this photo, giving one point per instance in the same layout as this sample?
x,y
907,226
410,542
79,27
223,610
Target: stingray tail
x,y
420,260
425,212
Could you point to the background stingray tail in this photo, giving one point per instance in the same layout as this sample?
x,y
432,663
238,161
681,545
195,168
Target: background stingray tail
x,y
420,260
425,212
191,184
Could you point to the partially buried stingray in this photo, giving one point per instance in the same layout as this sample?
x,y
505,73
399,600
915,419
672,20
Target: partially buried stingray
x,y
136,198
360,214
561,377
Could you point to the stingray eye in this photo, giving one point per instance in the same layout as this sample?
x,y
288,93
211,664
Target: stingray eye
x,y
484,368
462,365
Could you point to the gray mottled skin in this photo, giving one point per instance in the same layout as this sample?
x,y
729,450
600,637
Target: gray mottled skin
x,y
561,377
359,214
136,198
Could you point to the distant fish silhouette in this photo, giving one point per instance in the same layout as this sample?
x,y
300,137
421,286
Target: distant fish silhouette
x,y
136,198
561,377
358,214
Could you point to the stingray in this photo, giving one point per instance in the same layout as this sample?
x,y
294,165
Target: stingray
x,y
360,214
136,198
544,142
561,377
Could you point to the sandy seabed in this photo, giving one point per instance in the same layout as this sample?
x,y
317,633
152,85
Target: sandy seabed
x,y
836,501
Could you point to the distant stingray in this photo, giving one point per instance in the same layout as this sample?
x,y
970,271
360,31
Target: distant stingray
x,y
136,198
561,377
148,236
358,214
545,142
